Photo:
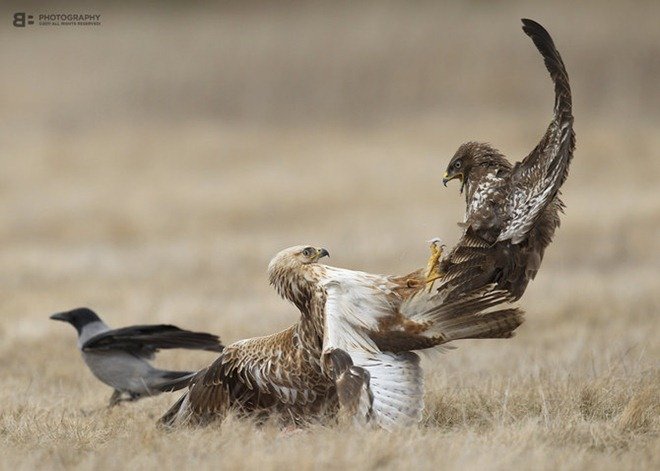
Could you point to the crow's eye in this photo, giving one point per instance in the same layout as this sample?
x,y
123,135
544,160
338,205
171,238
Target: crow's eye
x,y
308,252
457,164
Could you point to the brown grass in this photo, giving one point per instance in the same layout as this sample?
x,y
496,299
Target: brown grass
x,y
151,167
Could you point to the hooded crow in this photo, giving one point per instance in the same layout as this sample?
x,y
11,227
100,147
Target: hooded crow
x,y
118,357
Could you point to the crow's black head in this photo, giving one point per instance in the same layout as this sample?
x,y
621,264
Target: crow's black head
x,y
78,317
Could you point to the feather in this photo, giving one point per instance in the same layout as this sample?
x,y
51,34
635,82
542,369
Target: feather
x,y
145,340
512,212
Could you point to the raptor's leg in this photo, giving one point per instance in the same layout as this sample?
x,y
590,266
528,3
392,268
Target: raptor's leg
x,y
433,272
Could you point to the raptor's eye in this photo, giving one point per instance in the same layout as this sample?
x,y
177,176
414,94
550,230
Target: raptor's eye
x,y
308,252
457,164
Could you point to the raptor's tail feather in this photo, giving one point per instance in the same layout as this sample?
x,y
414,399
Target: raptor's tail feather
x,y
465,316
498,324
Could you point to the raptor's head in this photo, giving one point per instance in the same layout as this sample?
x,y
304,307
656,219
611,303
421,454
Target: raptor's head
x,y
470,156
78,318
294,270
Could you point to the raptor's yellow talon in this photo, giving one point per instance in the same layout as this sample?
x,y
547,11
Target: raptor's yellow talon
x,y
433,272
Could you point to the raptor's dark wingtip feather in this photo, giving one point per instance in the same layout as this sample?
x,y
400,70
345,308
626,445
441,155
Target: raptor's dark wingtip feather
x,y
555,65
534,29
542,39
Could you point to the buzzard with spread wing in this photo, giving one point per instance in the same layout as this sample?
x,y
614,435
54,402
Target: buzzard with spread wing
x,y
512,211
351,349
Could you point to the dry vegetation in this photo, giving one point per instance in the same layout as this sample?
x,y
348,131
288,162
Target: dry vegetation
x,y
151,167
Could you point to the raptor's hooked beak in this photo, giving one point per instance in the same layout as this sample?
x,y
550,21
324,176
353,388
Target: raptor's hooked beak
x,y
446,178
322,253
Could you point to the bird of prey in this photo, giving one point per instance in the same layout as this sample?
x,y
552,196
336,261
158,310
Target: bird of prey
x,y
118,357
351,350
512,210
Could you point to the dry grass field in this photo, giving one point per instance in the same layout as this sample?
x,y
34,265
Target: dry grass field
x,y
150,167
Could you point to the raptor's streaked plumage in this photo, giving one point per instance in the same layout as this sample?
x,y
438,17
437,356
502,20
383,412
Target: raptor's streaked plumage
x,y
512,211
352,348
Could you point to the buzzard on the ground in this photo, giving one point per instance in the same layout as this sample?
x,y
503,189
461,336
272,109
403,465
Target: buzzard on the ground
x,y
512,210
351,350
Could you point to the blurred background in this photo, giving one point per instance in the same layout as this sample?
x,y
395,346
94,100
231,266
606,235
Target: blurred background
x,y
151,166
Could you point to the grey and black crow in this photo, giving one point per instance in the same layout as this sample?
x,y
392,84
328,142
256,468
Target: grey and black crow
x,y
118,357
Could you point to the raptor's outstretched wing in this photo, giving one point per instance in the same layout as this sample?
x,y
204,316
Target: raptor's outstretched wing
x,y
366,320
358,305
537,179
253,374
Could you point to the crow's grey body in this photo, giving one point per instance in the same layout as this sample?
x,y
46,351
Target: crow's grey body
x,y
124,371
119,358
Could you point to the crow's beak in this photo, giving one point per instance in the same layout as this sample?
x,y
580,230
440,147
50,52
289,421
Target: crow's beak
x,y
323,253
60,316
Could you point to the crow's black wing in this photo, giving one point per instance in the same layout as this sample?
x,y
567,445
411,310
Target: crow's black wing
x,y
145,340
